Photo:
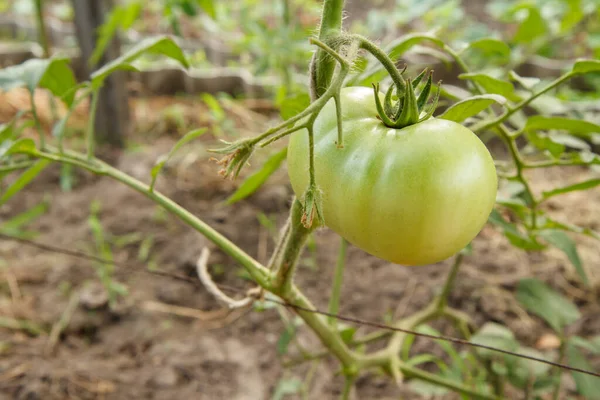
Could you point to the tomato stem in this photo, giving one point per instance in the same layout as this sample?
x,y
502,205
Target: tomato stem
x,y
331,26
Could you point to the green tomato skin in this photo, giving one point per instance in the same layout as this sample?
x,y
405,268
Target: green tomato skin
x,y
411,196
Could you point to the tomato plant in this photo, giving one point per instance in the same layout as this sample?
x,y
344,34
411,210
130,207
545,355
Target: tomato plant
x,y
412,196
389,176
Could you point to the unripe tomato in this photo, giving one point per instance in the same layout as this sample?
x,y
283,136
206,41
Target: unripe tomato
x,y
412,196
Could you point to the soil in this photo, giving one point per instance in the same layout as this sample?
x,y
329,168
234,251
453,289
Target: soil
x,y
143,348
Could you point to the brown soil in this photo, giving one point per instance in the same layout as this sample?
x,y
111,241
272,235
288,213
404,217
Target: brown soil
x,y
133,351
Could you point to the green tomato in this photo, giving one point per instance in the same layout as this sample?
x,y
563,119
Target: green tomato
x,y
411,196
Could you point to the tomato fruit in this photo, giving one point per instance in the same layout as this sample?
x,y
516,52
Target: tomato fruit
x,y
411,196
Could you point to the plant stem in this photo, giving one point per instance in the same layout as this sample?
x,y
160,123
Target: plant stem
x,y
348,384
507,114
385,60
442,300
258,272
558,373
36,120
5,169
447,383
41,26
90,137
338,277
331,25
320,326
298,234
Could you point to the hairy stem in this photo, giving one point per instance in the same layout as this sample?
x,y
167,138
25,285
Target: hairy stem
x,y
295,240
331,25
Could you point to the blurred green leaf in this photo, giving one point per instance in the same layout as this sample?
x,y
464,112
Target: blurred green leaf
x,y
586,66
527,82
208,6
291,106
543,142
122,16
15,225
562,241
23,180
571,17
592,345
188,137
492,85
531,27
574,126
555,309
285,338
491,47
162,45
285,387
522,371
469,107
513,234
257,179
404,43
588,386
53,74
496,336
572,188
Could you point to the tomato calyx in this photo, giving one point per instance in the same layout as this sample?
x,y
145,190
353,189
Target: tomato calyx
x,y
410,108
313,213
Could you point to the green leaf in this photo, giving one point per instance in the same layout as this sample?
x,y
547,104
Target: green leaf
x,y
162,45
188,137
464,109
522,370
53,74
257,179
491,47
571,17
121,16
588,386
497,336
562,241
208,6
592,345
286,387
572,188
513,234
404,43
531,27
492,85
23,180
15,225
573,126
18,146
583,66
59,79
527,82
291,106
285,339
543,301
543,142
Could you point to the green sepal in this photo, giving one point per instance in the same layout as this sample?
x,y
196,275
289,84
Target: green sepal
x,y
410,112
